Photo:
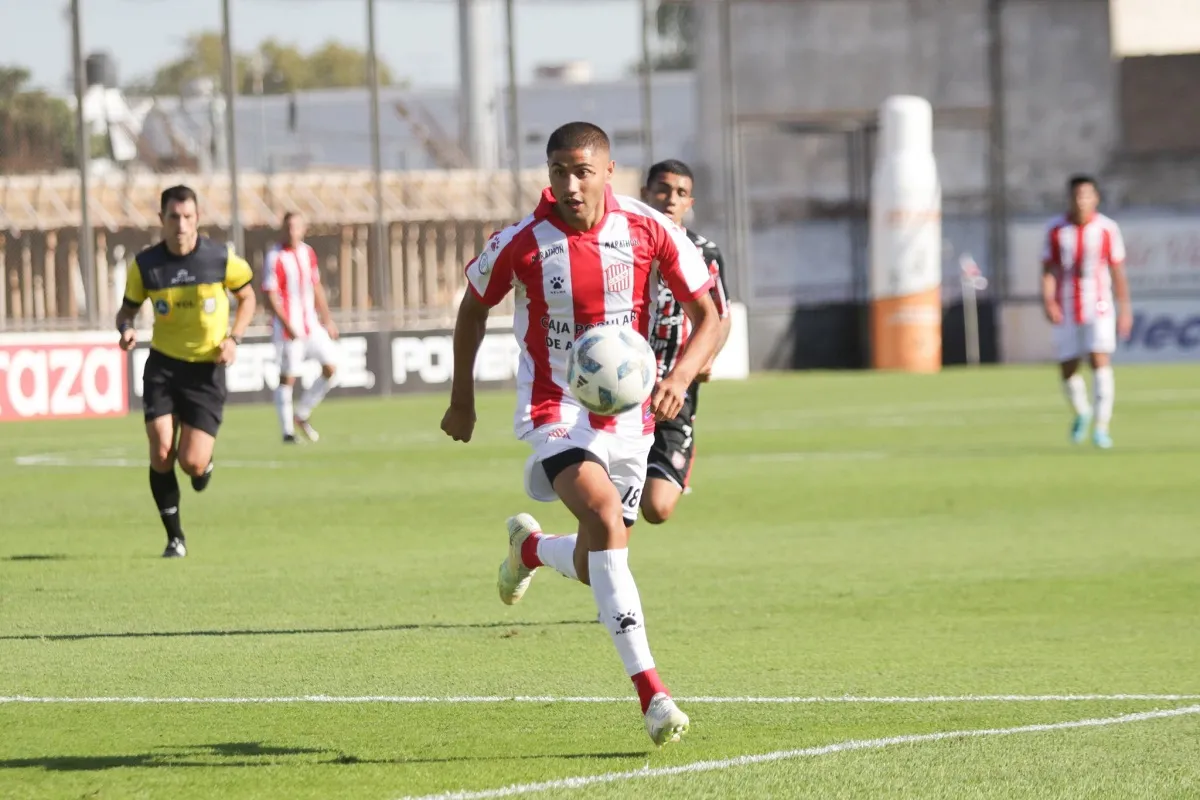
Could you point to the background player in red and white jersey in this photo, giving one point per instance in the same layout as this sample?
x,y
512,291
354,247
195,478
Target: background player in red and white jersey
x,y
668,189
1083,267
303,327
585,257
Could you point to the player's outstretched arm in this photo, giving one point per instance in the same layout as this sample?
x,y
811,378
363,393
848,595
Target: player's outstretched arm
x,y
469,329
321,300
125,317
247,302
1120,282
701,348
275,309
131,303
1050,294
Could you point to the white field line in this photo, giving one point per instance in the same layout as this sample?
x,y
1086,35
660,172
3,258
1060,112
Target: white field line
x,y
582,781
465,699
66,460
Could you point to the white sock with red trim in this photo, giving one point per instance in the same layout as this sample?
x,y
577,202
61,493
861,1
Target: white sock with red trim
x,y
313,396
1105,395
283,407
1077,394
620,608
556,552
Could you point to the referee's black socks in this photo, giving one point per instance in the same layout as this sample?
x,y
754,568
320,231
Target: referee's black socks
x,y
165,488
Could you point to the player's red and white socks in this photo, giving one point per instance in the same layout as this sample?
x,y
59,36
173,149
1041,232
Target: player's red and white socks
x,y
556,552
313,396
1105,390
1076,391
283,407
620,608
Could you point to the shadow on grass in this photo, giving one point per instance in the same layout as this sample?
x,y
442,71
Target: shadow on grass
x,y
36,557
256,754
422,626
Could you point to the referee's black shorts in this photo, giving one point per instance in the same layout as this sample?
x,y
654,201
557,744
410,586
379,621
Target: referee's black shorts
x,y
192,391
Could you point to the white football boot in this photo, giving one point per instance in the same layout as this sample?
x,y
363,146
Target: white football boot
x,y
664,721
514,576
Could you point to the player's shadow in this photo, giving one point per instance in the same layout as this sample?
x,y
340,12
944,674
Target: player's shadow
x,y
256,754
36,557
207,755
414,626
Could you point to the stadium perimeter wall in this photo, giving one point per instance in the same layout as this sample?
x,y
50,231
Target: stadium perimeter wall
x,y
77,375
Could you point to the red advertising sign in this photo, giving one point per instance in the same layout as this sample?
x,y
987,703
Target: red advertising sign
x,y
62,381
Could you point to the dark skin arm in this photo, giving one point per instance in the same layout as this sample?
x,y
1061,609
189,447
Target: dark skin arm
x,y
125,316
1050,294
1120,283
702,347
241,320
459,420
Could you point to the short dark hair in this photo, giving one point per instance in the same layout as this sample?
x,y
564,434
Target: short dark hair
x,y
1080,179
671,166
288,215
176,194
578,136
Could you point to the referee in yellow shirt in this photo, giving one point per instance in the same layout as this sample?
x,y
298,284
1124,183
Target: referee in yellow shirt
x,y
186,278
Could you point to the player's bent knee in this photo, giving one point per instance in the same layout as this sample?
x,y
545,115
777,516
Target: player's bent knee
x,y
162,459
656,512
328,370
193,466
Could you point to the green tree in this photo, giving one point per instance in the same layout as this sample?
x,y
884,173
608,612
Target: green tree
x,y
37,131
280,67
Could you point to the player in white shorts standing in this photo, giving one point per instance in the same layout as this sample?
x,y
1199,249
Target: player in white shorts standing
x,y
303,328
1083,267
585,257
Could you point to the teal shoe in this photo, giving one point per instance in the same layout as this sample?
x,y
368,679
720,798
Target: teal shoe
x,y
1079,428
1102,440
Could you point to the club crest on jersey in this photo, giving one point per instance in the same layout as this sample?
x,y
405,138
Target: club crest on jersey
x,y
483,264
559,433
618,277
210,305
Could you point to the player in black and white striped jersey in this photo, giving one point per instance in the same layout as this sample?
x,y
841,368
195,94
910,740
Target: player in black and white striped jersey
x,y
669,190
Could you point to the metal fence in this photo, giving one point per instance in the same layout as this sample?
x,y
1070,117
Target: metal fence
x,y
401,183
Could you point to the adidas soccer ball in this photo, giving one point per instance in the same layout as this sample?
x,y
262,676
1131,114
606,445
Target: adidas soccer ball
x,y
612,370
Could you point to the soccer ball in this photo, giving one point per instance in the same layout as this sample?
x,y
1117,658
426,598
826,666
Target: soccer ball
x,y
612,370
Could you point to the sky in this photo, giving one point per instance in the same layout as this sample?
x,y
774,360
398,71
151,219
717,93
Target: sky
x,y
418,39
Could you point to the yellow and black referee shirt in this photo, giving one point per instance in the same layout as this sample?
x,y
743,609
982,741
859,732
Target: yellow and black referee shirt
x,y
191,307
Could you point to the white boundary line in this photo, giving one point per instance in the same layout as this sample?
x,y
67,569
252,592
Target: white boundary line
x,y
582,781
466,699
64,460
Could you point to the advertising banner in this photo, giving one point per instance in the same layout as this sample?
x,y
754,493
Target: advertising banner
x,y
253,377
67,375
66,378
1163,331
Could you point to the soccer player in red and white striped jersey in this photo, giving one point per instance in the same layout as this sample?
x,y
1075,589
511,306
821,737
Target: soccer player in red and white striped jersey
x,y
302,328
585,257
1083,271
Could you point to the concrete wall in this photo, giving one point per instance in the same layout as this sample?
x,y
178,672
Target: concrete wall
x,y
844,57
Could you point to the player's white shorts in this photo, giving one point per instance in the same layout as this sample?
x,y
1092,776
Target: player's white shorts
x,y
624,456
292,353
1076,340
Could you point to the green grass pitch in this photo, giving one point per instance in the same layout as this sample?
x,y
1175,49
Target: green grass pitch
x,y
865,535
